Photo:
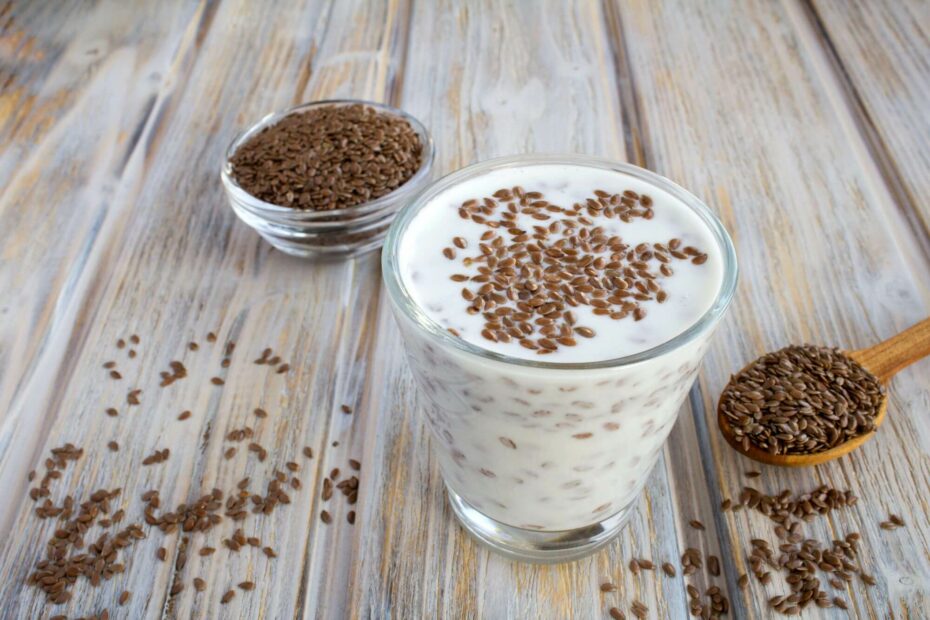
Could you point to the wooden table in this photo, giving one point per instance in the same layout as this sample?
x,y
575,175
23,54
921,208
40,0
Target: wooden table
x,y
804,124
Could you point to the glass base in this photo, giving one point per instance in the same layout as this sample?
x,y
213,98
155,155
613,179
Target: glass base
x,y
532,545
303,249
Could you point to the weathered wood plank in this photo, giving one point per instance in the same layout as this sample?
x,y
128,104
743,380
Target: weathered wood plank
x,y
735,107
881,50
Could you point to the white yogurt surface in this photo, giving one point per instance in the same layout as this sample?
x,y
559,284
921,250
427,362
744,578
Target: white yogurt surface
x,y
691,289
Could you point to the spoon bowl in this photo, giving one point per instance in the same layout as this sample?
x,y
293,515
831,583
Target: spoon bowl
x,y
883,360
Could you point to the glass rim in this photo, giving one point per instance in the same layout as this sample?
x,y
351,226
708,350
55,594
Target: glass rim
x,y
400,296
258,205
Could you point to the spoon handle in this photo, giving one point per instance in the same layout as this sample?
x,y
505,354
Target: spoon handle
x,y
887,358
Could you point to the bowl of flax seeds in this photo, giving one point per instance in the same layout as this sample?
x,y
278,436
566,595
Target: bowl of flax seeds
x,y
327,178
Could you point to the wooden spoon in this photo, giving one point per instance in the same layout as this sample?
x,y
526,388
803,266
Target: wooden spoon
x,y
883,360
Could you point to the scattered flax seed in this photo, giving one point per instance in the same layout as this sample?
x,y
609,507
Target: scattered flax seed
x,y
217,381
713,565
228,596
639,609
292,466
115,375
283,368
225,363
199,584
308,452
123,597
325,517
205,551
634,566
669,569
896,520
725,505
161,553
112,412
132,353
120,344
134,339
743,581
112,445
193,346
260,413
696,524
346,409
132,397
616,614
246,585
109,365
753,474
351,517
645,564
229,453
354,464
608,587
184,415
268,551
159,456
211,337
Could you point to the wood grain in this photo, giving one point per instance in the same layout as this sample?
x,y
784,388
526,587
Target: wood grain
x,y
114,119
814,247
880,50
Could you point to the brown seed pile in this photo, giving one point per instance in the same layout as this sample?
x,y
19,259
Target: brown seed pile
x,y
331,157
348,486
159,456
53,468
528,279
893,522
711,606
268,357
69,557
801,400
99,562
801,559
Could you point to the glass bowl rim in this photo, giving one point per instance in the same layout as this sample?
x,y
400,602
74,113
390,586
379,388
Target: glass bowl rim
x,y
401,298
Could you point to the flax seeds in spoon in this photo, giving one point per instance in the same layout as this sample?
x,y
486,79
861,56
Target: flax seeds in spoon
x,y
802,400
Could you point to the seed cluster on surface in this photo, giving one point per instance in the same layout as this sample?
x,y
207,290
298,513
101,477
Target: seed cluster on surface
x,y
69,557
330,157
711,605
801,400
529,278
807,565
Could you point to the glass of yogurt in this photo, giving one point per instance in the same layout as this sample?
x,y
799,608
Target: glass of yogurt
x,y
555,310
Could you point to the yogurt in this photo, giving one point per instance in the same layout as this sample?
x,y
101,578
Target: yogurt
x,y
553,431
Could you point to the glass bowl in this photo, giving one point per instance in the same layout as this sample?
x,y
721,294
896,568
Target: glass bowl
x,y
338,232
